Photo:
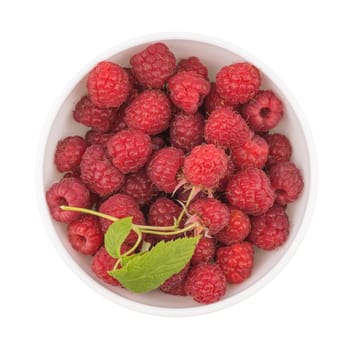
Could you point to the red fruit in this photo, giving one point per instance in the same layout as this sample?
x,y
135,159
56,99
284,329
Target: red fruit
x,y
102,262
97,138
263,112
108,85
154,65
98,173
175,280
69,152
177,290
183,194
271,229
193,64
186,131
85,234
280,149
214,100
238,82
187,90
157,143
237,229
205,166
287,181
118,123
163,168
205,251
69,191
149,112
206,283
229,173
250,190
236,261
226,128
129,150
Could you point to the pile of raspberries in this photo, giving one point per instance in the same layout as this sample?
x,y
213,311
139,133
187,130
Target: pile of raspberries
x,y
161,126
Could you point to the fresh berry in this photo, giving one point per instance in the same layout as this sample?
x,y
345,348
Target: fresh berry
x,y
118,123
236,261
229,173
280,149
98,173
178,290
85,234
205,251
287,181
238,82
135,84
69,152
129,150
214,100
163,168
183,194
186,131
205,166
271,229
157,143
187,90
250,190
97,138
237,229
194,64
69,191
226,128
108,85
175,280
263,112
154,65
206,283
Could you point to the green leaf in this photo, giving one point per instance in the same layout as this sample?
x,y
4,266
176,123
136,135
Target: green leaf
x,y
147,271
116,234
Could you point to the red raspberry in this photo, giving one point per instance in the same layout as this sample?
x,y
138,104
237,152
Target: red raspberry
x,y
238,82
178,290
118,123
149,112
97,138
129,150
102,262
69,152
226,128
154,65
253,153
271,229
250,190
237,229
205,166
108,85
175,280
98,173
280,149
213,214
287,181
69,191
206,283
183,194
205,251
193,64
186,131
236,261
263,112
157,143
214,100
135,84
163,168
224,181
187,90
85,234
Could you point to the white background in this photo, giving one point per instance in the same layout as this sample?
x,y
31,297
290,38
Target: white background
x,y
43,305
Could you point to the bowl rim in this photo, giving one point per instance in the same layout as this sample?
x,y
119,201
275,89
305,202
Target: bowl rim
x,y
183,311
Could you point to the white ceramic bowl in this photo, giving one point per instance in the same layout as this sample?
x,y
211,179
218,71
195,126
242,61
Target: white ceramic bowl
x,y
214,54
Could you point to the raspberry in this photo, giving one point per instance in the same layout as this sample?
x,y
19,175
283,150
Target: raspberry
x,y
280,149
98,173
226,128
97,138
108,85
214,100
229,173
135,84
271,229
193,64
118,123
154,65
263,112
149,112
163,168
178,290
175,280
129,150
237,229
213,214
205,166
183,194
236,261
85,234
253,153
287,181
69,152
69,191
250,190
238,82
204,252
88,114
157,143
186,131
206,283
187,90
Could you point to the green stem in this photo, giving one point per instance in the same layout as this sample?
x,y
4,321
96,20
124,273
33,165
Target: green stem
x,y
89,211
158,228
189,199
171,233
139,238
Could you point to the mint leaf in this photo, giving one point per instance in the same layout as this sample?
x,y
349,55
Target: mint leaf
x,y
115,236
144,272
